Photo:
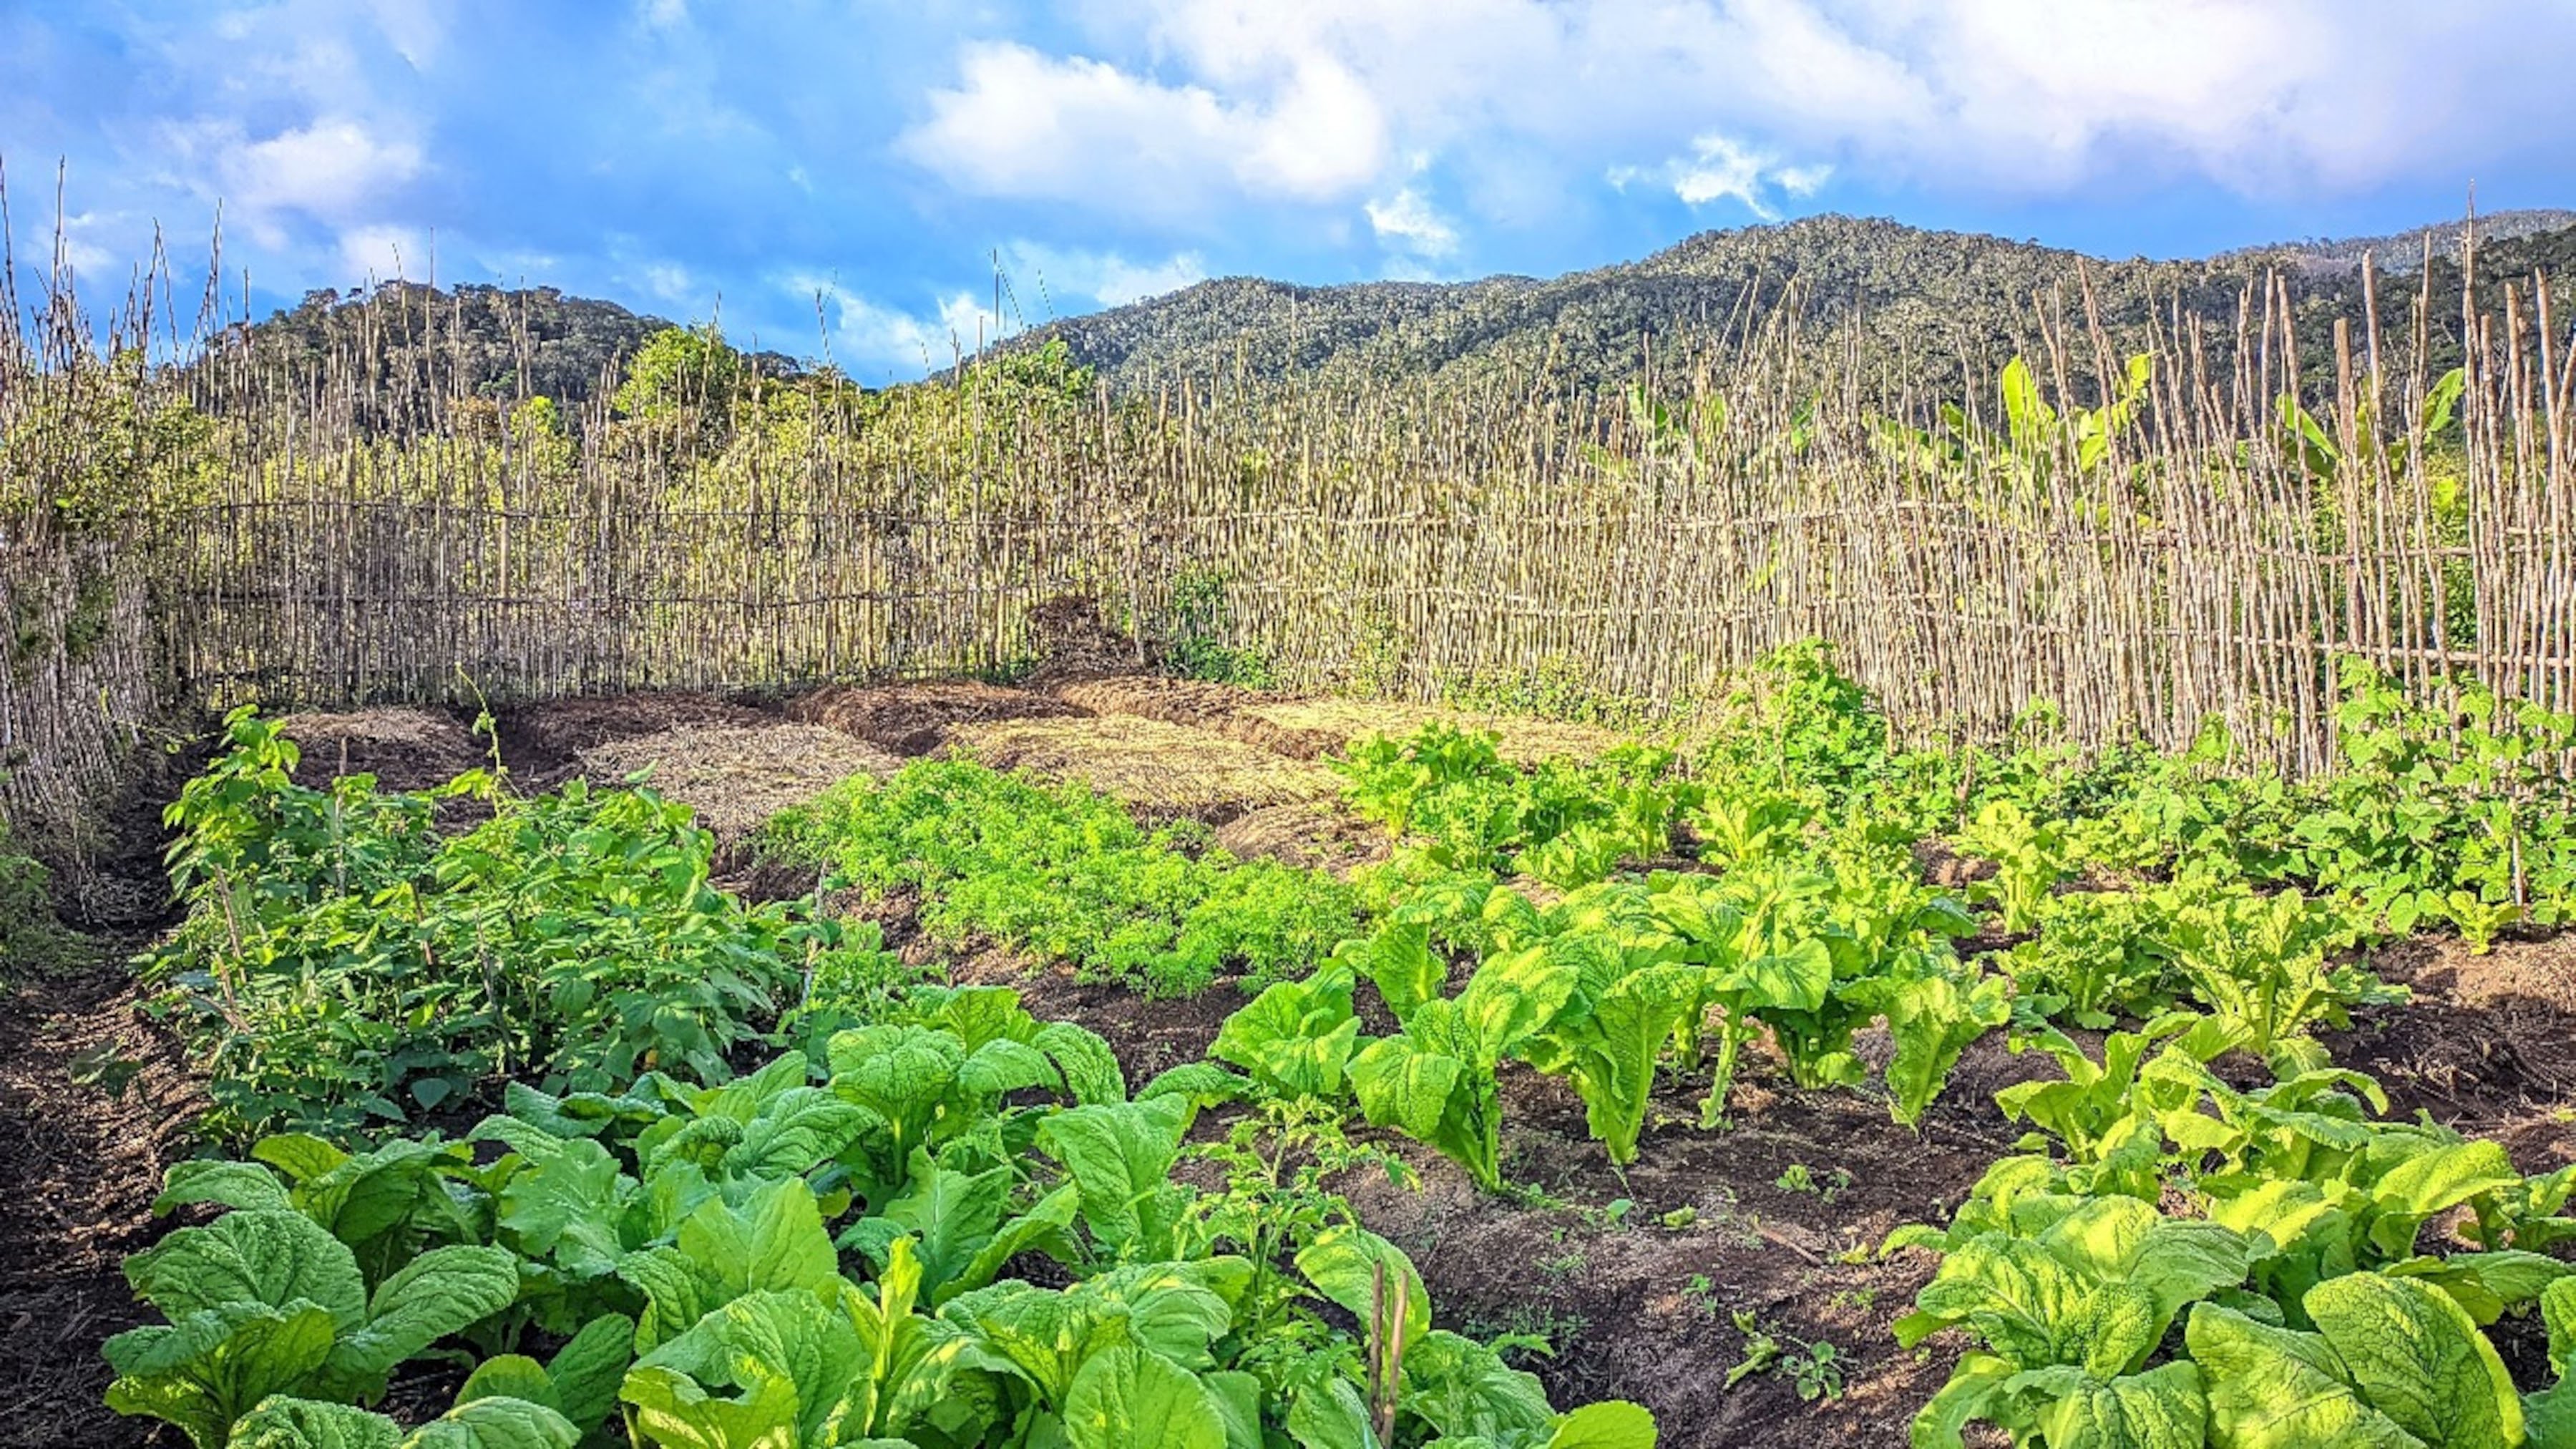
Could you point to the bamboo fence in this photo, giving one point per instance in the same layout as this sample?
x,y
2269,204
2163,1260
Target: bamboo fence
x,y
338,538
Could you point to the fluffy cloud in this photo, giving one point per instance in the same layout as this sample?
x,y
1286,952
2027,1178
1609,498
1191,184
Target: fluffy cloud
x,y
1046,277
1720,169
383,253
1173,108
1020,123
1408,223
872,341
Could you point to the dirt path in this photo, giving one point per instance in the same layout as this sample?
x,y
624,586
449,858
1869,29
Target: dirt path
x,y
79,1166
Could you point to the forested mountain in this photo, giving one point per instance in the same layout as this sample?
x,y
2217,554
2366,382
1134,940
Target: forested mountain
x,y
480,340
1944,306
1939,301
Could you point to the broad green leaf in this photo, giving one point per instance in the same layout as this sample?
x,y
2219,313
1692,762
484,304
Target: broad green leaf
x,y
1090,1069
281,1422
2433,1182
1933,1021
244,1185
565,1206
587,1369
1344,1263
443,1291
210,1366
2162,1408
1968,1397
1296,1037
1464,1389
2417,1358
496,1424
299,1155
270,1257
1402,1085
1120,1155
508,1376
1330,1415
789,1357
793,1131
2274,1388
2558,1311
1127,1398
1611,1424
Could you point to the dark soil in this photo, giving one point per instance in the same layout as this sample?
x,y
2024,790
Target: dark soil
x,y
540,743
1202,704
82,1164
914,719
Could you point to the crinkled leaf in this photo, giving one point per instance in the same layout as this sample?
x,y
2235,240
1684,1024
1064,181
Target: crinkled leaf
x,y
2276,1388
1121,1155
272,1257
210,1366
281,1422
1344,1263
244,1185
1127,1398
2416,1357
499,1423
1090,1069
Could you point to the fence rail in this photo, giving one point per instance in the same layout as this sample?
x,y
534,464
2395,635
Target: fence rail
x,y
2205,561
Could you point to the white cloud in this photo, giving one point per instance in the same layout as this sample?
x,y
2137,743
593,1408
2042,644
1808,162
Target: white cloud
x,y
1718,168
1408,222
872,341
1045,277
336,170
1180,107
383,253
1023,124
328,168
671,282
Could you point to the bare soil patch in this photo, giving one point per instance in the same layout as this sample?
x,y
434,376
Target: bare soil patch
x,y
542,743
81,1164
404,747
916,719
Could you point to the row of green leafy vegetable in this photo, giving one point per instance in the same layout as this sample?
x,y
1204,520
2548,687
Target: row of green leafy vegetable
x,y
345,963
2174,1259
1808,935
2452,806
806,1257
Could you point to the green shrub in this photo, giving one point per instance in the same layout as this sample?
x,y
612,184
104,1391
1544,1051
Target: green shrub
x,y
343,963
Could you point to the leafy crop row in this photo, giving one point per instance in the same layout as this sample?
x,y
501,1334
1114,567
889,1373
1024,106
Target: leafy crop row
x,y
344,962
820,1255
2333,1273
1067,875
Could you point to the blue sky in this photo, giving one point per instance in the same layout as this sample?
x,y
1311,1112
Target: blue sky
x,y
840,175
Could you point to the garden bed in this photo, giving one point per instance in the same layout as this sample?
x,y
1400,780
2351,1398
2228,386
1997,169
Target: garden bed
x,y
1649,1284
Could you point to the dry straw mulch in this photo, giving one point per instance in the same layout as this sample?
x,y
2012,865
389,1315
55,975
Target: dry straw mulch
x,y
736,776
917,719
1223,709
1344,721
1166,768
1316,834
